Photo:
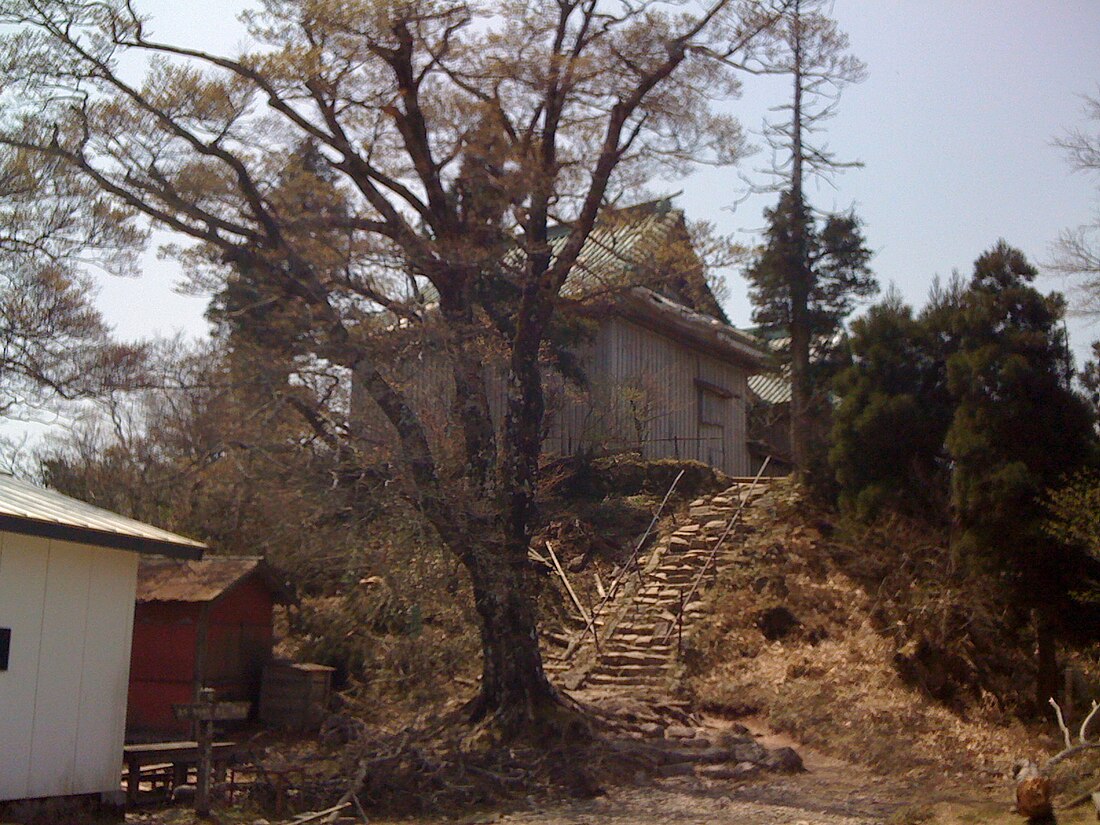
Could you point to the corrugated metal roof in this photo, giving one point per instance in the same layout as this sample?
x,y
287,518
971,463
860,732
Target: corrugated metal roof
x,y
771,387
626,257
775,387
32,510
169,580
639,245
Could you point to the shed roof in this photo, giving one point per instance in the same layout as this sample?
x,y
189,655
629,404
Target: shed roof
x,y
774,386
771,387
31,510
169,580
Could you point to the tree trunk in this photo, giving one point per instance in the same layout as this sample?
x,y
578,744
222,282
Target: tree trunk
x,y
800,382
799,276
471,403
515,693
514,687
1047,682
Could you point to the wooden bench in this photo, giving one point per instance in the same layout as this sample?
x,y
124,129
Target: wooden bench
x,y
169,763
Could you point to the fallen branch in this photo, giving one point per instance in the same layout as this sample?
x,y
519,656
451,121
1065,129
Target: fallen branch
x,y
356,784
1082,744
314,816
1083,733
572,593
1061,723
359,808
1078,801
1068,752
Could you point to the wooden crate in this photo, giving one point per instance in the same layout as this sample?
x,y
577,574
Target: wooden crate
x,y
295,696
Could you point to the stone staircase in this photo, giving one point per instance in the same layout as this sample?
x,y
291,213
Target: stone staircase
x,y
656,608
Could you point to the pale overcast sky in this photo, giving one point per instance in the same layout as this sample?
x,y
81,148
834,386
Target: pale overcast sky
x,y
954,125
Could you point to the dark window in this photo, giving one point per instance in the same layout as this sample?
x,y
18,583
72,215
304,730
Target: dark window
x,y
713,402
5,646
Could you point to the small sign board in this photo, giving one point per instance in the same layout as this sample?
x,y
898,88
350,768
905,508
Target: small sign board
x,y
212,711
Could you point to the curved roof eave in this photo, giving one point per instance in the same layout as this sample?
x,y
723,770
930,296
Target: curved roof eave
x,y
653,310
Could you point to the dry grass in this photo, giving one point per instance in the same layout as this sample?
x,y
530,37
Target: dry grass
x,y
833,682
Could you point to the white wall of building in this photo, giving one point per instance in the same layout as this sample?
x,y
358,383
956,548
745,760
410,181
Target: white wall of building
x,y
70,608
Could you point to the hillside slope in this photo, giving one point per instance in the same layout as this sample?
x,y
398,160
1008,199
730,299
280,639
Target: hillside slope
x,y
863,645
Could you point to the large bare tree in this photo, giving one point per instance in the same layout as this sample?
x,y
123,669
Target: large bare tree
x,y
411,157
1077,250
54,345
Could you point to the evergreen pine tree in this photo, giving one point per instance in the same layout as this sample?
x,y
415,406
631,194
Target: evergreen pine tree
x,y
808,281
889,424
1018,428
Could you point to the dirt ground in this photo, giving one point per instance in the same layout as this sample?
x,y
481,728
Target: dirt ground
x,y
829,792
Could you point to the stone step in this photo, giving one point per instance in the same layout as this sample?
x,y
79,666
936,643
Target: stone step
x,y
632,639
712,755
673,574
631,657
647,672
626,681
685,570
610,661
615,645
655,646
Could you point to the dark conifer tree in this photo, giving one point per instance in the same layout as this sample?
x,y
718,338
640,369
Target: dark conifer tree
x,y
1018,428
808,281
887,438
793,284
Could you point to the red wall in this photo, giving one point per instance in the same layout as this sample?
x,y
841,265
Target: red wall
x,y
162,661
239,643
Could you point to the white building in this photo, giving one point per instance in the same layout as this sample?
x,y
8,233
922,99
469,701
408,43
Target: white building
x,y
68,573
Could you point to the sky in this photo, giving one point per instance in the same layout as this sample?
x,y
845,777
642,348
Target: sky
x,y
954,126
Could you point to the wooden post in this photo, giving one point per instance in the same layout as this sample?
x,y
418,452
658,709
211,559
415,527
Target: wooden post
x,y
203,712
202,632
205,725
133,780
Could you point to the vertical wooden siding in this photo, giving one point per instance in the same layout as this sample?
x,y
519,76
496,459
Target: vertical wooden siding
x,y
644,396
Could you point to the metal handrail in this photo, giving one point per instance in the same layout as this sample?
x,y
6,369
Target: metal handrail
x,y
597,611
714,551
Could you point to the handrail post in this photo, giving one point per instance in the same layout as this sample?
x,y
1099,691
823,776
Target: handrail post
x,y
729,527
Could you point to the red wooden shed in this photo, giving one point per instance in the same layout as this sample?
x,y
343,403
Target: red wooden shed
x,y
198,624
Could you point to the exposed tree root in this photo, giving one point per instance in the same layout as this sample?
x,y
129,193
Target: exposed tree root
x,y
550,719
